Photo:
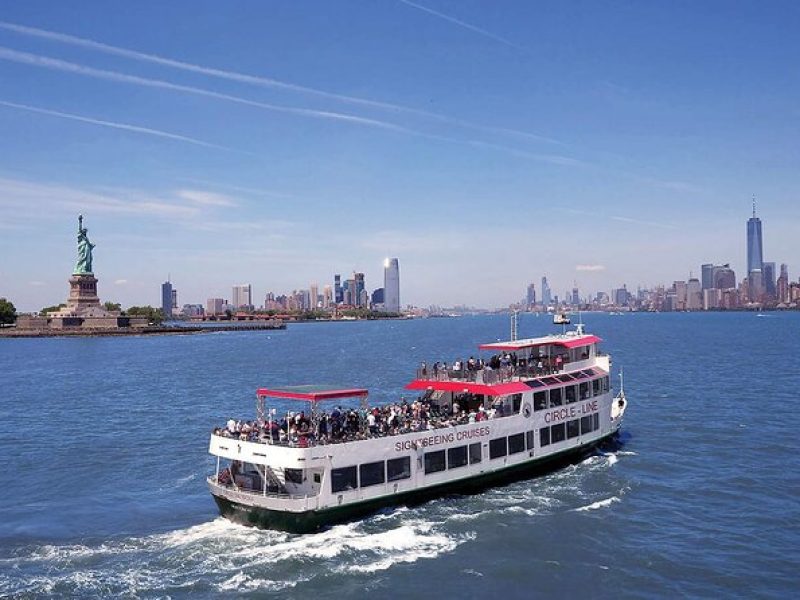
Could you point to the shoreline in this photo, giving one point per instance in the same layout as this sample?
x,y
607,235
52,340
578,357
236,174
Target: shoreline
x,y
13,332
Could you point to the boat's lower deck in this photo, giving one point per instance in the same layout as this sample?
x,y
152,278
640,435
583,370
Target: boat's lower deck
x,y
243,507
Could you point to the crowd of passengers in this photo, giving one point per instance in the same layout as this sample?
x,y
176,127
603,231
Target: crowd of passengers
x,y
342,425
507,364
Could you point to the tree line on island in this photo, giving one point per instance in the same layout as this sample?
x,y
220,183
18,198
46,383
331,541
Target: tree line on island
x,y
8,313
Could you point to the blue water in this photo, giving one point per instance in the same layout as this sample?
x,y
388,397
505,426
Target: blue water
x,y
104,444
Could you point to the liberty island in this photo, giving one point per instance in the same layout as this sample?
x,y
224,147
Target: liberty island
x,y
83,314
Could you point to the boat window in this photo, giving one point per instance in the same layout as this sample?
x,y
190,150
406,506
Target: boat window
x,y
587,424
539,401
558,433
596,417
584,390
398,468
529,439
588,372
556,397
596,387
344,479
456,457
434,462
573,428
570,393
544,437
535,383
475,453
606,387
550,380
293,475
498,447
564,378
516,443
372,473
516,401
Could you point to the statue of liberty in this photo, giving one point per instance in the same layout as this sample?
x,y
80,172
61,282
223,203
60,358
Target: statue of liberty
x,y
85,247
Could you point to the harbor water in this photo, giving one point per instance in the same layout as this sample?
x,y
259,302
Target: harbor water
x,y
104,444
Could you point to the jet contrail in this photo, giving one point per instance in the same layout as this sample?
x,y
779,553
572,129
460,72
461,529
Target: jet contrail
x,y
115,125
270,82
461,23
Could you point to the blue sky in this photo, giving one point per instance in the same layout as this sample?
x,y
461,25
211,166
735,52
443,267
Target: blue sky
x,y
483,143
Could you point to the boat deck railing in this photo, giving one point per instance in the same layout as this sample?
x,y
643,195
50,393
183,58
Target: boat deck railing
x,y
236,489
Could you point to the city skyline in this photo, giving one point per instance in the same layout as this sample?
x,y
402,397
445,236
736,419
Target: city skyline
x,y
301,139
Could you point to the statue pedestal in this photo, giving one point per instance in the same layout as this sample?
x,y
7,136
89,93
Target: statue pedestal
x,y
82,293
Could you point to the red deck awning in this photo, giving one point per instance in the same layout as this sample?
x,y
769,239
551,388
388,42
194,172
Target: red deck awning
x,y
501,389
309,394
564,342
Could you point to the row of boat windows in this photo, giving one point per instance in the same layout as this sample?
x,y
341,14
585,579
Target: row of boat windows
x,y
395,469
569,394
566,431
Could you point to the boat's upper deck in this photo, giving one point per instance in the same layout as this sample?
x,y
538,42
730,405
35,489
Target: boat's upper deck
x,y
516,360
463,392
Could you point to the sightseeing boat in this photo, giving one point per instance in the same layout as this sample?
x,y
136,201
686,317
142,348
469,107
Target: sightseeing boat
x,y
531,406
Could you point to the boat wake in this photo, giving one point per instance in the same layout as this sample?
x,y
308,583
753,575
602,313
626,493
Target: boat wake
x,y
220,556
598,504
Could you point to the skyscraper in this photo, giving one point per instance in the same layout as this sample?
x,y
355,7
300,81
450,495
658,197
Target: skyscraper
x,y
694,297
166,299
530,297
707,276
338,295
356,288
546,294
782,285
768,272
723,277
313,293
391,285
242,296
755,249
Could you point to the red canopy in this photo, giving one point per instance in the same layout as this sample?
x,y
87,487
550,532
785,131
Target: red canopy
x,y
501,389
565,342
309,394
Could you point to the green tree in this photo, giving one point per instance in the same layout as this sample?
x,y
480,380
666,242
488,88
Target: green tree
x,y
49,309
112,306
8,314
154,315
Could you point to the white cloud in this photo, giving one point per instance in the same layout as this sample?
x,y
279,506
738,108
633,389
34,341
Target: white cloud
x,y
120,281
590,268
205,198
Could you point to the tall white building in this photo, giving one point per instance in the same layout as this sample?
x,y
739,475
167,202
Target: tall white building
x,y
242,296
327,296
313,293
391,285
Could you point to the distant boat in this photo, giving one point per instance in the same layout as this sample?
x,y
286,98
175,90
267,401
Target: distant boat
x,y
560,319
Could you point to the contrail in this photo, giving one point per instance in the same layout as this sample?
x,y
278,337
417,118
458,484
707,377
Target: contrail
x,y
185,66
69,67
123,126
461,23
269,82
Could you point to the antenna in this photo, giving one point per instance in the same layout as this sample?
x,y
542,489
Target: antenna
x,y
754,206
514,324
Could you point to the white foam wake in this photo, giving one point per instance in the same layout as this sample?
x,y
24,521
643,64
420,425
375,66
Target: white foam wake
x,y
598,504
